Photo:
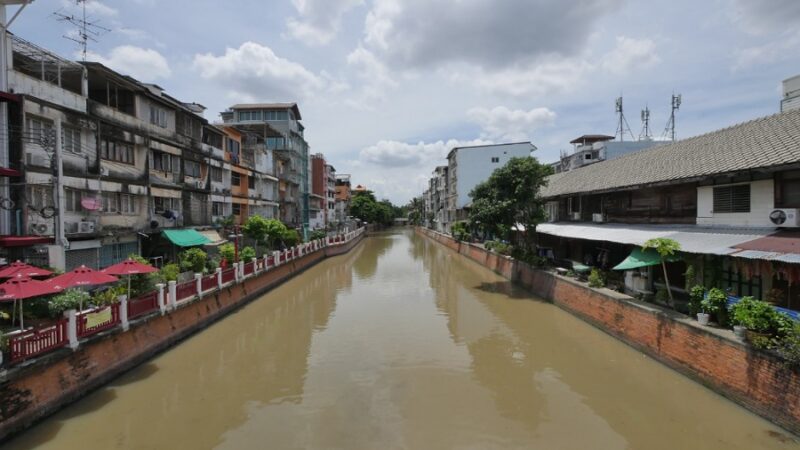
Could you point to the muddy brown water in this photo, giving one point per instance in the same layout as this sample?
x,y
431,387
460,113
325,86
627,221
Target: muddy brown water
x,y
402,344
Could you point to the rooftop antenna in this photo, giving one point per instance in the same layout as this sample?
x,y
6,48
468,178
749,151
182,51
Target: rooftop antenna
x,y
622,126
670,128
646,134
87,30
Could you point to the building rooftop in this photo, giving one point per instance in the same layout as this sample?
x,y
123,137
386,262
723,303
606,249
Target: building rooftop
x,y
292,106
766,142
590,138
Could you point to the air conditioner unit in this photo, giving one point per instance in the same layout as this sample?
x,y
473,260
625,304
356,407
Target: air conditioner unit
x,y
575,216
70,227
86,227
599,218
41,229
200,185
785,218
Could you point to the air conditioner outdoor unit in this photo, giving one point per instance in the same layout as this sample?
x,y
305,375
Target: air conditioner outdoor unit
x,y
86,227
575,216
599,218
200,184
70,227
785,218
41,229
32,159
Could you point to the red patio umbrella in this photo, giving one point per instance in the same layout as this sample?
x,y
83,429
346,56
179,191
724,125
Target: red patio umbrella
x,y
24,269
129,267
81,277
21,287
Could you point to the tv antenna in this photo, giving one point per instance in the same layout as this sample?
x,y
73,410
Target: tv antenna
x,y
622,126
670,128
87,30
646,134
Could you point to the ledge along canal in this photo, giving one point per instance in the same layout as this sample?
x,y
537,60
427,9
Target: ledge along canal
x,y
402,343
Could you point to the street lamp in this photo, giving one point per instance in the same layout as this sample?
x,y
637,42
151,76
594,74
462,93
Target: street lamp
x,y
235,236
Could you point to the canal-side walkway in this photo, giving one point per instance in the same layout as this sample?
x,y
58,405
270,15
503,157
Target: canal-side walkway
x,y
755,379
59,376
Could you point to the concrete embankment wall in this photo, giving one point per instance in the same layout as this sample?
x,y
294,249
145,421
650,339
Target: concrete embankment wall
x,y
32,392
756,380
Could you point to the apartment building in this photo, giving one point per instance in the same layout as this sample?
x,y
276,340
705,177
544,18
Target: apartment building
x,y
330,195
323,193
730,198
277,129
342,196
469,166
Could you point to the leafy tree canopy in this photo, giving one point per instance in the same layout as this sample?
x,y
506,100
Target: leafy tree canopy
x,y
511,196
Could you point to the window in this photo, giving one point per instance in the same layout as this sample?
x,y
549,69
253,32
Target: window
x,y
245,116
216,174
71,139
116,151
274,143
110,202
787,189
158,116
127,204
495,159
40,196
276,115
191,168
236,179
162,204
251,182
237,209
72,199
732,199
217,209
40,131
160,161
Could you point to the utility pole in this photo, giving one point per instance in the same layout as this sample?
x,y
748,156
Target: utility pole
x,y
5,130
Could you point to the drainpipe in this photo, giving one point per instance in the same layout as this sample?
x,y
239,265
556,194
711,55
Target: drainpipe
x,y
58,195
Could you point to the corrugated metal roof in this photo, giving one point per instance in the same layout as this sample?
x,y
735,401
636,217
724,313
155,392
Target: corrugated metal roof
x,y
765,142
693,239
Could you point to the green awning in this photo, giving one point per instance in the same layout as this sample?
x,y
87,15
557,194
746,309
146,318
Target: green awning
x,y
642,258
186,238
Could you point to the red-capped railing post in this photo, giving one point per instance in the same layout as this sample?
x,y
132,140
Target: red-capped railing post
x,y
162,304
72,328
123,312
173,294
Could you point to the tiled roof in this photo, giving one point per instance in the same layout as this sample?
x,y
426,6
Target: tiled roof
x,y
765,142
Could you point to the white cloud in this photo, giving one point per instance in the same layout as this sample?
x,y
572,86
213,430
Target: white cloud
x,y
319,21
401,154
254,71
144,64
506,125
545,77
487,33
375,78
766,16
631,53
93,8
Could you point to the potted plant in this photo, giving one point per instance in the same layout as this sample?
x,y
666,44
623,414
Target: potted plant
x,y
713,304
696,295
760,320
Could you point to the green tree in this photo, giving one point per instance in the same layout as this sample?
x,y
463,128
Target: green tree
x,y
193,259
665,248
257,229
509,197
247,254
227,251
365,207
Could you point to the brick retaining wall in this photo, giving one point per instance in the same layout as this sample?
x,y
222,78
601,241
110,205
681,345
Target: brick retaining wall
x,y
32,392
756,380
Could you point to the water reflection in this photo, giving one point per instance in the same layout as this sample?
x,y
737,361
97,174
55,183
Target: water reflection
x,y
421,349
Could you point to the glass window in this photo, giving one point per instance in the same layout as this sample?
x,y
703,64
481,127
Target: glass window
x,y
217,209
251,182
237,209
216,174
110,202
192,168
236,179
116,151
158,116
163,204
71,139
40,131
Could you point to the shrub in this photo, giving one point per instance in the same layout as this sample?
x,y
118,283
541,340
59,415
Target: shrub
x,y
227,252
716,304
499,247
108,296
169,272
788,346
570,273
69,299
459,231
290,237
247,254
690,276
596,279
193,260
3,342
144,283
696,295
317,234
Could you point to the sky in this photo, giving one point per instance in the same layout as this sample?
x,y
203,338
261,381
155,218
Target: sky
x,y
387,87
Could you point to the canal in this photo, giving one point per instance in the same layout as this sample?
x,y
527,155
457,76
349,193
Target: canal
x,y
402,343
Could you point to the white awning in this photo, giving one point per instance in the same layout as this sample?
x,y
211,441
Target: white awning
x,y
214,237
692,238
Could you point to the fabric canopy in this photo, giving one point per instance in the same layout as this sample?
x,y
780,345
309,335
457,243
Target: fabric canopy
x,y
186,238
642,258
21,268
213,237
